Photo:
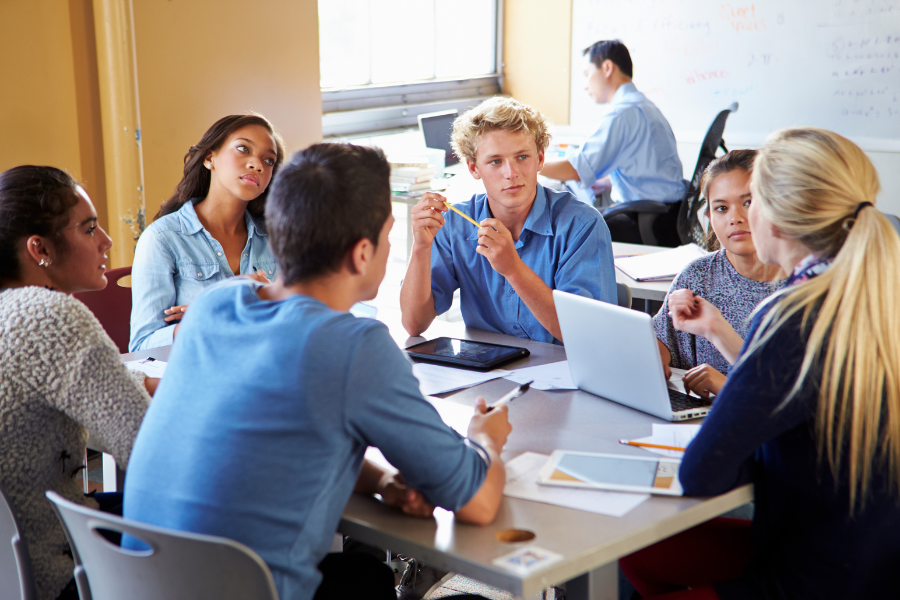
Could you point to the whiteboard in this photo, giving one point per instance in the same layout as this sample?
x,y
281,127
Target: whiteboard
x,y
824,63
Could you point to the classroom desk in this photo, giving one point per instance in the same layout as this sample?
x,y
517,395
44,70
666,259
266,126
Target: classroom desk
x,y
542,422
645,290
589,543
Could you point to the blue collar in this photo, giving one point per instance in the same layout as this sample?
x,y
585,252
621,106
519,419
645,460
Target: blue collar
x,y
625,88
538,220
190,222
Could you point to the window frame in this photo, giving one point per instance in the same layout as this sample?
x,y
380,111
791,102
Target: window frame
x,y
374,107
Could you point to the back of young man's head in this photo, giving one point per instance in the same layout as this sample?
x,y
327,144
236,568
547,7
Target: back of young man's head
x,y
324,201
613,50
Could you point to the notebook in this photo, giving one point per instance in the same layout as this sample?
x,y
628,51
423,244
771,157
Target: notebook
x,y
659,265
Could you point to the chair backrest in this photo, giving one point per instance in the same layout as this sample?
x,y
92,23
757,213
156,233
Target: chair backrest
x,y
15,563
175,566
689,228
623,295
112,307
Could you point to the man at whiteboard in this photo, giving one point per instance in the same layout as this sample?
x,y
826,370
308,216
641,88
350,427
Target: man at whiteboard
x,y
634,146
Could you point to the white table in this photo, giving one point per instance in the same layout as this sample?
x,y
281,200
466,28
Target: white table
x,y
542,422
645,290
589,543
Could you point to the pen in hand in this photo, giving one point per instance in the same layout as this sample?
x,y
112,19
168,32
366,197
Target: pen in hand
x,y
510,396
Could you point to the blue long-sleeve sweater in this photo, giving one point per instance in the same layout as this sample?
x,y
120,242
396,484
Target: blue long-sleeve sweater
x,y
806,544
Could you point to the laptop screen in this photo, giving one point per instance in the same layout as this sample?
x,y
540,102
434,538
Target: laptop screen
x,y
436,128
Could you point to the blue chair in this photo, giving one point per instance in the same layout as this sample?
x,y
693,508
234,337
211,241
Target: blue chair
x,y
175,565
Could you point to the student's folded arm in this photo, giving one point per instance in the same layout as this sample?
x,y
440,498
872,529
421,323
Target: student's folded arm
x,y
427,290
482,508
152,292
416,299
747,414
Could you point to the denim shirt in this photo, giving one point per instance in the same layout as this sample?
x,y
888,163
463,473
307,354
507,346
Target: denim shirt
x,y
563,241
175,260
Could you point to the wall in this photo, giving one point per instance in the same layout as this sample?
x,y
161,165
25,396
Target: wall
x,y
536,45
197,60
49,113
200,60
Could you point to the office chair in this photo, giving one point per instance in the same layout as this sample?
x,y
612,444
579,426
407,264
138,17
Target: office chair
x,y
688,227
112,307
690,230
176,565
15,562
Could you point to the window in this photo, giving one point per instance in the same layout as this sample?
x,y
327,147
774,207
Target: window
x,y
383,62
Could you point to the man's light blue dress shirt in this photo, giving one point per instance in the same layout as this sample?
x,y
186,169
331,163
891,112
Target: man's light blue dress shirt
x,y
565,242
258,430
634,145
175,260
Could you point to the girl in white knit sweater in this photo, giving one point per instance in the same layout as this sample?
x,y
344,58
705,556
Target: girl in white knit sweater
x,y
60,374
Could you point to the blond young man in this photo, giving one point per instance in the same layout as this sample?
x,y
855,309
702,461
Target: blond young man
x,y
531,240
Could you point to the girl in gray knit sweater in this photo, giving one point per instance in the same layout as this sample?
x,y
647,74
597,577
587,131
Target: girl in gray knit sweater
x,y
725,285
60,374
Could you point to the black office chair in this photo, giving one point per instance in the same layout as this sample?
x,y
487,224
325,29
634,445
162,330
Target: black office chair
x,y
649,213
690,230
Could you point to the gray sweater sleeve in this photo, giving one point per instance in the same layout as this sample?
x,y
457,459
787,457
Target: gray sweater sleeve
x,y
96,390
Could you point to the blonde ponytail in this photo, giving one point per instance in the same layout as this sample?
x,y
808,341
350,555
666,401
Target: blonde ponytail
x,y
812,184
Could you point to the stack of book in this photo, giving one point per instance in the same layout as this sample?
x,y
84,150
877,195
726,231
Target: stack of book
x,y
411,176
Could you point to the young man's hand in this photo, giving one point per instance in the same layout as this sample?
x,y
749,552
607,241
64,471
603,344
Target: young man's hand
x,y
495,243
426,218
395,492
492,427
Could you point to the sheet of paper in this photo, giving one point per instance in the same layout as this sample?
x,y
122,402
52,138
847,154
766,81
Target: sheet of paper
x,y
553,376
676,381
659,265
666,434
522,475
150,366
435,379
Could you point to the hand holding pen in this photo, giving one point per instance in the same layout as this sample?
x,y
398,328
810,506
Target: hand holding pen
x,y
426,218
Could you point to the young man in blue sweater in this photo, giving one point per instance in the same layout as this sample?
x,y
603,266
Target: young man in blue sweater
x,y
274,392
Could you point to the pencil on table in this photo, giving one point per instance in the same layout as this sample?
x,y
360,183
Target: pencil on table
x,y
646,445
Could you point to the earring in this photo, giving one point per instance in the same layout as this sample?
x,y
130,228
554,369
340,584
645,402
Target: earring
x,y
207,165
45,262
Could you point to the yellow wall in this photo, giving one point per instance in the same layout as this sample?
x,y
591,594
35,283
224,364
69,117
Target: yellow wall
x,y
200,60
197,61
537,42
48,108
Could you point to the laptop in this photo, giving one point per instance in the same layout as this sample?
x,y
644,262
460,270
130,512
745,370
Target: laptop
x,y
437,128
613,353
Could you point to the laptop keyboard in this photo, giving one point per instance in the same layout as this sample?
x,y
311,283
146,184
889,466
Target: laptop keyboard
x,y
681,401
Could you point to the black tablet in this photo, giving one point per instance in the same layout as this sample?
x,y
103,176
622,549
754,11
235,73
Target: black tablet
x,y
466,353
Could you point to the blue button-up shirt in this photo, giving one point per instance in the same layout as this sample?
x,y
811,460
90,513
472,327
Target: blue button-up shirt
x,y
635,147
565,242
175,260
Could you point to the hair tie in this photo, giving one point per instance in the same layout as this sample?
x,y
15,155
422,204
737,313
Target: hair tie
x,y
861,206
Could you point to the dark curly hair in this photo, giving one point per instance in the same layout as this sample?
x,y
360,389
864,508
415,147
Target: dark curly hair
x,y
33,201
196,179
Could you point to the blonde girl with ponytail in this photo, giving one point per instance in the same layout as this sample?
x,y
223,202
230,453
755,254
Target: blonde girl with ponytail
x,y
811,412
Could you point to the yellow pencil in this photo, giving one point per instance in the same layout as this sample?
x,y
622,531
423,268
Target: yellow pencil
x,y
657,446
462,214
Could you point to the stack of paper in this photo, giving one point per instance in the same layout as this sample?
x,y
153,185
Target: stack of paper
x,y
149,366
434,379
659,265
409,176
